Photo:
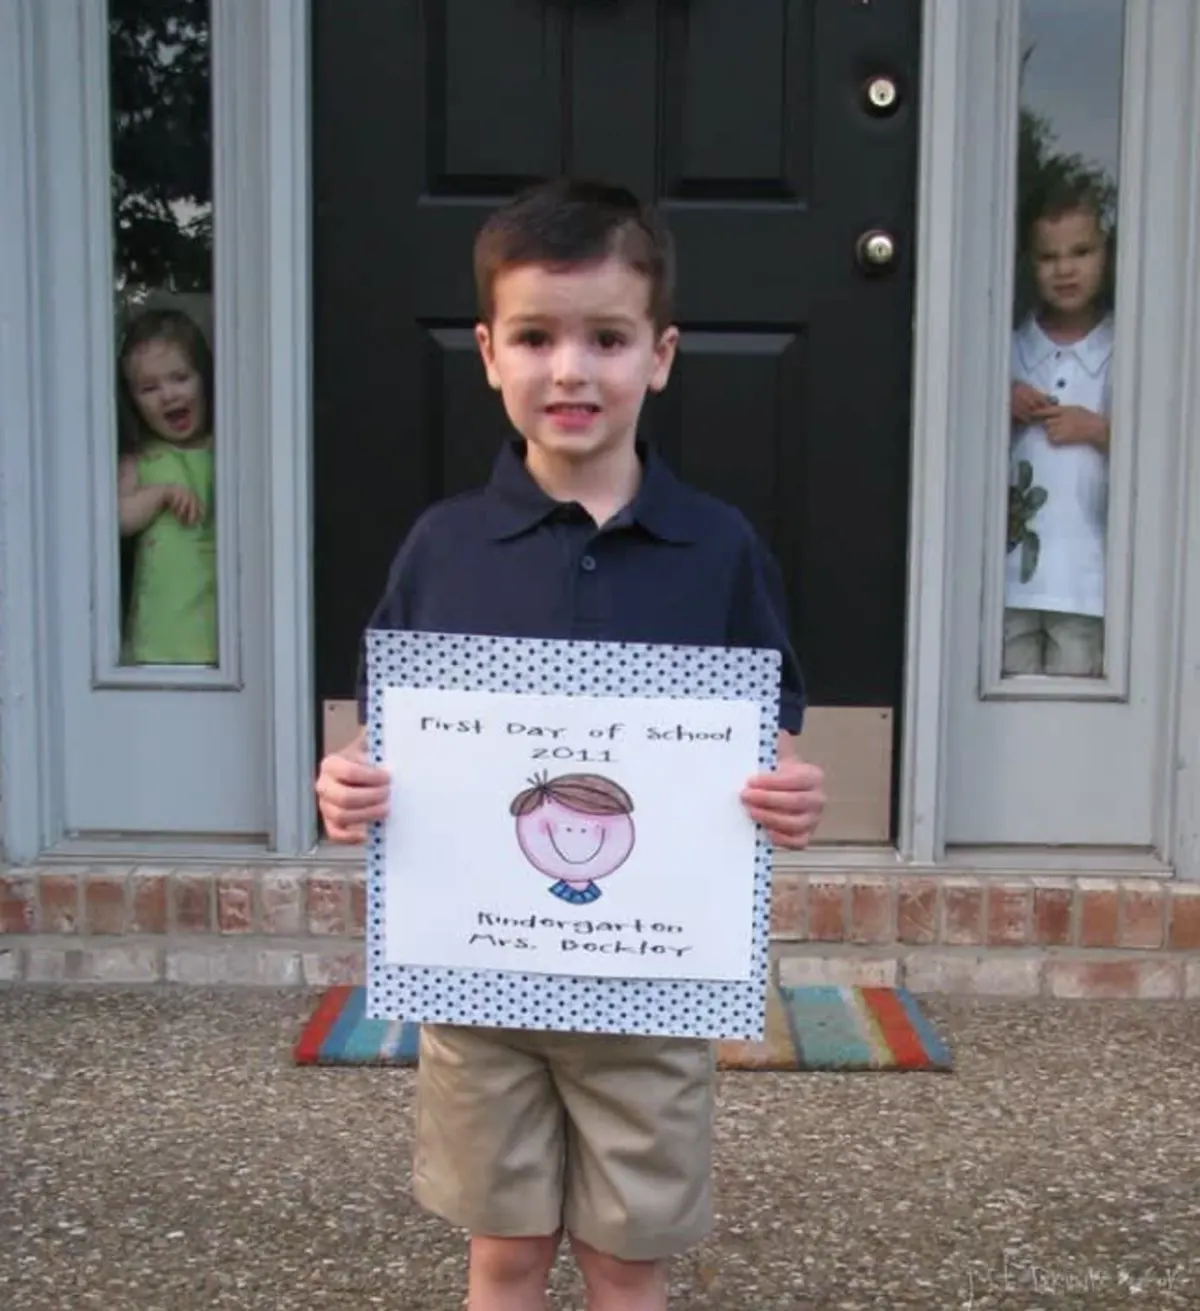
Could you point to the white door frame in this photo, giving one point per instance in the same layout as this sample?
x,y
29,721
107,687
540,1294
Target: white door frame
x,y
936,314
269,96
1155,301
27,785
30,802
1181,749
961,125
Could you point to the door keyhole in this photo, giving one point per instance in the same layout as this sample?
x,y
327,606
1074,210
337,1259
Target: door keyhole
x,y
875,250
881,94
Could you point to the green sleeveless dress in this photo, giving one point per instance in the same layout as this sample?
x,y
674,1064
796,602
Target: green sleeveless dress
x,y
173,600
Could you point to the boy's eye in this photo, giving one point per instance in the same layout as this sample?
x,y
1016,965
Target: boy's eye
x,y
607,339
532,337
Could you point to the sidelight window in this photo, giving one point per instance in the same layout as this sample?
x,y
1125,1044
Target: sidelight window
x,y
1064,527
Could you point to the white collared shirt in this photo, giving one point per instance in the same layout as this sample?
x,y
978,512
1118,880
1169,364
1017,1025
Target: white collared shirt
x,y
1069,524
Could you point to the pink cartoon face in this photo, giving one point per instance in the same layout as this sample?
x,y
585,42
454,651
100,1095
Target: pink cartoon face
x,y
569,845
575,829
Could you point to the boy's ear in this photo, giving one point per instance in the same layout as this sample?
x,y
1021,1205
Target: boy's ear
x,y
664,357
487,351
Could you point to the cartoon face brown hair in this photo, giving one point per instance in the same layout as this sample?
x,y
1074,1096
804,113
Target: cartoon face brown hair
x,y
569,222
589,794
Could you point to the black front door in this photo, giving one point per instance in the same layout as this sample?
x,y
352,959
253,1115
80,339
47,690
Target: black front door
x,y
751,124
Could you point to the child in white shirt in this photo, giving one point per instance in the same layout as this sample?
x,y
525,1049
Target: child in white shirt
x,y
1058,493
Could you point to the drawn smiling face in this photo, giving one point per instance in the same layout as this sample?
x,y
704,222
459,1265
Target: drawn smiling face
x,y
567,844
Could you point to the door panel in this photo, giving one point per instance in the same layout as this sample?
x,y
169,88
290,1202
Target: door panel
x,y
748,125
139,218
1044,758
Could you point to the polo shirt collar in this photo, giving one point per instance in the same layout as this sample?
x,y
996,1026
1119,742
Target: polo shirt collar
x,y
515,504
1092,351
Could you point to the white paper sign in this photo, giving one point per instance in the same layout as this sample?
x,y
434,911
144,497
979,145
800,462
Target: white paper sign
x,y
574,835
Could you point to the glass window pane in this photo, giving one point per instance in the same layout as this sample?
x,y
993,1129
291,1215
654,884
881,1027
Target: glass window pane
x,y
1061,361
160,90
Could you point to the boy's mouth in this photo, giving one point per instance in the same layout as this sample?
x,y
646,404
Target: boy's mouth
x,y
572,416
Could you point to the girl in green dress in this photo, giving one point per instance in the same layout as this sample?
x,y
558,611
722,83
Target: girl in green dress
x,y
165,491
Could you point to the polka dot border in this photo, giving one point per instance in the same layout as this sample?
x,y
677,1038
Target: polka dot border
x,y
506,999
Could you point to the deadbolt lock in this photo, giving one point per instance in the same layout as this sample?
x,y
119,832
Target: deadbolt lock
x,y
875,250
882,94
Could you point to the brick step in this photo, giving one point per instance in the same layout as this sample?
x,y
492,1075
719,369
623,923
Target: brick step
x,y
282,926
1084,911
209,960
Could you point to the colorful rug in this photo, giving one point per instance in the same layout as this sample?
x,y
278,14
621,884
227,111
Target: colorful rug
x,y
809,1028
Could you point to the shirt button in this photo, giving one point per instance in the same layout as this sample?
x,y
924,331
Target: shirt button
x,y
588,563
1061,383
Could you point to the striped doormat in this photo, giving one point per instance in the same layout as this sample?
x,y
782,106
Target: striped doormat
x,y
809,1028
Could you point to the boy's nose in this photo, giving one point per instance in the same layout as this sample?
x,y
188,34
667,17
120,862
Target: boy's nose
x,y
568,366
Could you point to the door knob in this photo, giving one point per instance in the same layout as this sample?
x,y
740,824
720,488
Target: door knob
x,y
881,94
875,250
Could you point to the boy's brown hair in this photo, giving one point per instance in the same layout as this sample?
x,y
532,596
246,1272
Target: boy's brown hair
x,y
589,794
1062,197
568,222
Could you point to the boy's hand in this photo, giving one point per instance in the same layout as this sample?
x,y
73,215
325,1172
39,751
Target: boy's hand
x,y
788,803
1030,405
351,793
1073,425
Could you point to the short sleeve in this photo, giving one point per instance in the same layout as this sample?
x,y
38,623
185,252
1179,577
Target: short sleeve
x,y
759,619
393,611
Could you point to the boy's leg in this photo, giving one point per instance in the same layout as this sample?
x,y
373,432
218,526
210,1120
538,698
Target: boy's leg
x,y
639,1158
1074,645
1024,642
509,1274
616,1285
489,1158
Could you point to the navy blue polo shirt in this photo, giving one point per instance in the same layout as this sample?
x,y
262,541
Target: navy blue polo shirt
x,y
675,566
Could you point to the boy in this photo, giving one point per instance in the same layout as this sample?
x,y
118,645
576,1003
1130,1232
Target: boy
x,y
581,533
1054,599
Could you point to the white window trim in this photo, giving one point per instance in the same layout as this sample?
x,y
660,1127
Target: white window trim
x,y
267,88
1134,91
235,170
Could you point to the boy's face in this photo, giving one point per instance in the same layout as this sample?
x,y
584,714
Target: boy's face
x,y
573,352
167,391
1068,260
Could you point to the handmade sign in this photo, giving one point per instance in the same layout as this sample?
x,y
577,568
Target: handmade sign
x,y
566,846
569,834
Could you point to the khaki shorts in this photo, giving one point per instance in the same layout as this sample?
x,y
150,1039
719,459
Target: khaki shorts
x,y
523,1133
1049,642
